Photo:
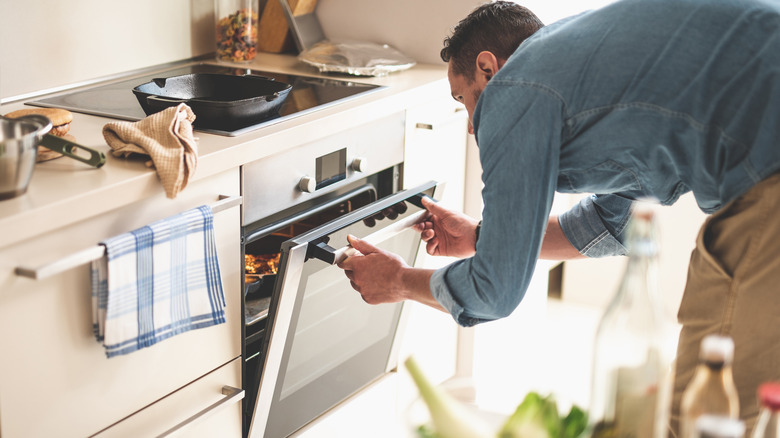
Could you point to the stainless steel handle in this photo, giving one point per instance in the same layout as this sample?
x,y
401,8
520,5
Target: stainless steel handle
x,y
456,114
93,253
335,256
232,395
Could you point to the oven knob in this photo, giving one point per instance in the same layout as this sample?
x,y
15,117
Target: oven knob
x,y
307,184
360,164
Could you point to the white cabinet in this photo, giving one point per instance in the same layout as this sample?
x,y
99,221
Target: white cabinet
x,y
55,379
435,149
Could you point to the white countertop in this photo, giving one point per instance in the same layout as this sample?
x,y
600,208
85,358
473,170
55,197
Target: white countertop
x,y
65,191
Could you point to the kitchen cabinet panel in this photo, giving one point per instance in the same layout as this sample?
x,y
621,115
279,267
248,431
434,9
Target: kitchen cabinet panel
x,y
435,148
55,379
200,409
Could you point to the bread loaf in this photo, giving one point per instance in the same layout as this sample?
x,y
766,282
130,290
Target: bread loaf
x,y
60,118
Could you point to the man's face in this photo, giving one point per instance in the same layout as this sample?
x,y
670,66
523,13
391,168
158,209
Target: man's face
x,y
466,91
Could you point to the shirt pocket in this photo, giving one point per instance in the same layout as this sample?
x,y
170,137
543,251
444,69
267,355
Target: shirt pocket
x,y
606,177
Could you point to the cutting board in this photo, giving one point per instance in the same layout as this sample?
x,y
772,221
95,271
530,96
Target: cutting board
x,y
273,31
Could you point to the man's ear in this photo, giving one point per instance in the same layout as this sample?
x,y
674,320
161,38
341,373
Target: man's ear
x,y
487,66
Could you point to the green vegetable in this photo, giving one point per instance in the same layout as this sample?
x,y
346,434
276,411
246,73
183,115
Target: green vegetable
x,y
424,431
450,418
537,417
574,423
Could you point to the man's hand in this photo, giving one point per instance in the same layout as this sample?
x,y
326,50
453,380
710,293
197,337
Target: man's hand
x,y
376,274
447,233
383,277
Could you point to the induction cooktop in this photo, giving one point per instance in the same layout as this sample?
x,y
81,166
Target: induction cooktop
x,y
116,100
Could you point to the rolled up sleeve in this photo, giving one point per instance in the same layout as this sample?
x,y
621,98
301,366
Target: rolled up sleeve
x,y
596,225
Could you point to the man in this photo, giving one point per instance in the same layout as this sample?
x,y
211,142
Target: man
x,y
637,99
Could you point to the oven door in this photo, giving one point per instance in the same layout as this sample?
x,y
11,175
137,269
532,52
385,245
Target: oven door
x,y
325,342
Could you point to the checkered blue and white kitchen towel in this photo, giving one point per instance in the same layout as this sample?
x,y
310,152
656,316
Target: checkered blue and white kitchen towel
x,y
156,282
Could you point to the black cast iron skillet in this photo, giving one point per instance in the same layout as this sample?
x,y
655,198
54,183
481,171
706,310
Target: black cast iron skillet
x,y
219,101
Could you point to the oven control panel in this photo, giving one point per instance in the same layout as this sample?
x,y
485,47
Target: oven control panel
x,y
275,183
331,168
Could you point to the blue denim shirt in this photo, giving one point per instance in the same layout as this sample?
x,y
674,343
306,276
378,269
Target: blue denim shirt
x,y
642,98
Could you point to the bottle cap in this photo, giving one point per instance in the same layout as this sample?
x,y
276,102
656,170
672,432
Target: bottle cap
x,y
716,348
769,395
718,426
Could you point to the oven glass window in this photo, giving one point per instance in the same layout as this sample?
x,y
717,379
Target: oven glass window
x,y
334,323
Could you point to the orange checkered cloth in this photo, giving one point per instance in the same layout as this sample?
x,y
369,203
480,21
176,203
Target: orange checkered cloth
x,y
166,137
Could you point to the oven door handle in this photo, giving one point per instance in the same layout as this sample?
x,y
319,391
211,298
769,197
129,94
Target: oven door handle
x,y
96,252
330,255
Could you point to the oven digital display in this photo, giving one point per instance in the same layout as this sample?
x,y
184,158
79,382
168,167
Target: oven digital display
x,y
331,168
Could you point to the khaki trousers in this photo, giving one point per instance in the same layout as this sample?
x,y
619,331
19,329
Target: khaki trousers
x,y
733,289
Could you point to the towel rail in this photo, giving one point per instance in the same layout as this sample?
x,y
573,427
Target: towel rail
x,y
95,252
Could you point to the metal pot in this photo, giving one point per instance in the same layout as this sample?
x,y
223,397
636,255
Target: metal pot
x,y
19,139
219,101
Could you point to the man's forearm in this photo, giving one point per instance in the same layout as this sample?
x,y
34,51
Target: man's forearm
x,y
417,285
555,245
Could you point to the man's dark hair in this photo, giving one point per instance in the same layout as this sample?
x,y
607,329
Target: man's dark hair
x,y
498,27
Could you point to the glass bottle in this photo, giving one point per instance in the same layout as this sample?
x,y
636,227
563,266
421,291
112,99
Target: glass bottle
x,y
631,363
719,426
768,424
236,30
711,390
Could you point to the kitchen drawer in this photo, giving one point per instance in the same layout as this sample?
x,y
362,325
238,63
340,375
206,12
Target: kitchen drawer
x,y
55,379
207,407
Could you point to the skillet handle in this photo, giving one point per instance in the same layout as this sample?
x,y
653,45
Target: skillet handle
x,y
163,102
259,76
65,147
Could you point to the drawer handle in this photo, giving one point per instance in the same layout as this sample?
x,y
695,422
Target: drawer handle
x,y
457,114
232,395
93,253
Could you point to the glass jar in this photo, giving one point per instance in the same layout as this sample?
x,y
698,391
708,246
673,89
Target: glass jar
x,y
236,30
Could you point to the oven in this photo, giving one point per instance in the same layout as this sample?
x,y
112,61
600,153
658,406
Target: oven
x,y
310,340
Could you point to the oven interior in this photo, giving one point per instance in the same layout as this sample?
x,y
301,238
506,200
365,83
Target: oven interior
x,y
262,249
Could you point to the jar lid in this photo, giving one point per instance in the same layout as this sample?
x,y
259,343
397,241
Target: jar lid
x,y
716,348
718,426
769,395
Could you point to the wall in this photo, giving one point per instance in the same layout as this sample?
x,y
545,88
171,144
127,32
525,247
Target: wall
x,y
46,44
417,27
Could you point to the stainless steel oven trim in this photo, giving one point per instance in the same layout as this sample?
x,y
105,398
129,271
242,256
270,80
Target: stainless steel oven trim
x,y
281,326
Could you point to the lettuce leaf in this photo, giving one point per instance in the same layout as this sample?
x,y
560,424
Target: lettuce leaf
x,y
537,417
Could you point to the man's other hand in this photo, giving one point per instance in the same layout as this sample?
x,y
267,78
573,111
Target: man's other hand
x,y
447,233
